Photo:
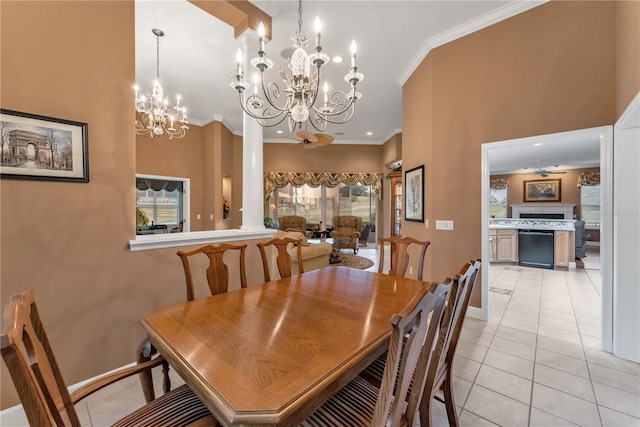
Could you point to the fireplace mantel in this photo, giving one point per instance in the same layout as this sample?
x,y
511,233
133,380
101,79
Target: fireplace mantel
x,y
543,209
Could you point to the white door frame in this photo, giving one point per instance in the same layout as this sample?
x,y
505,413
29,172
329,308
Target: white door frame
x,y
605,134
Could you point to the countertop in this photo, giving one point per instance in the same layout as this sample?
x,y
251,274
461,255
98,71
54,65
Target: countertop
x,y
532,224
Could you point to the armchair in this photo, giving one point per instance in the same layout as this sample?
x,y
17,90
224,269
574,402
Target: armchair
x,y
346,232
294,223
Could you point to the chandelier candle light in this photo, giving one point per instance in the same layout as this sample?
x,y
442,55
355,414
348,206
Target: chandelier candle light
x,y
157,117
301,86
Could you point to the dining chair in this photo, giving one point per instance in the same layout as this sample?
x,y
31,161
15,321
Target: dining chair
x,y
284,261
399,254
217,272
450,327
396,402
462,286
45,398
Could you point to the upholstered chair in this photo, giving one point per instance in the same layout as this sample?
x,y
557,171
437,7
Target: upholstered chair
x,y
346,231
294,223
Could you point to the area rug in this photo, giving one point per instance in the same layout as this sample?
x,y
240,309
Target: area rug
x,y
354,261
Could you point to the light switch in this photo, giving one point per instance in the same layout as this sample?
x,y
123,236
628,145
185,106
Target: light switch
x,y
198,216
426,223
444,225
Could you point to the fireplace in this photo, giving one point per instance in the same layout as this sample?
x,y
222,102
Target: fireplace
x,y
542,211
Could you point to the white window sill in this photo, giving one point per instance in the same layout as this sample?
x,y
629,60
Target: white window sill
x,y
170,240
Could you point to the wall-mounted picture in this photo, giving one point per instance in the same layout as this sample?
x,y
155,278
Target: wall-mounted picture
x,y
43,148
414,194
543,190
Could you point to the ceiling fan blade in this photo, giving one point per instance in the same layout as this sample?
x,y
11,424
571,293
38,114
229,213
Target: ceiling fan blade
x,y
292,138
554,172
324,139
307,135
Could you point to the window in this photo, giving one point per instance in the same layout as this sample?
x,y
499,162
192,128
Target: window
x,y
590,205
322,203
498,203
160,204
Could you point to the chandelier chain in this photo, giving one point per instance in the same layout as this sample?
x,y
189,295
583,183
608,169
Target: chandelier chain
x,y
158,57
299,16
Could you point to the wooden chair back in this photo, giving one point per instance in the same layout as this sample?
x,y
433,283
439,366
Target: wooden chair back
x,y
440,374
283,258
412,330
32,366
400,256
217,272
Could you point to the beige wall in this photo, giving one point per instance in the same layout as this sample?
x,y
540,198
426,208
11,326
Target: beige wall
x,y
331,158
627,53
75,60
548,70
568,181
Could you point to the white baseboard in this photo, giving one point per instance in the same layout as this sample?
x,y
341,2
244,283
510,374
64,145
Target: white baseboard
x,y
16,417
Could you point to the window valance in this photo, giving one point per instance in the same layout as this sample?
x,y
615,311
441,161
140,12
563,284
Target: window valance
x,y
156,184
499,184
588,178
297,179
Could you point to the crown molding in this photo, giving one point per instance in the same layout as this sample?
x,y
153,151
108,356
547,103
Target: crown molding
x,y
465,29
223,120
630,118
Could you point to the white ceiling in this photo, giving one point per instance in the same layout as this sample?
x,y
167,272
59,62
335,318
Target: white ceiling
x,y
197,56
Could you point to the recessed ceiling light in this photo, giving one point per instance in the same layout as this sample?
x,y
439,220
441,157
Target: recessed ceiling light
x,y
337,59
537,144
369,133
339,133
279,131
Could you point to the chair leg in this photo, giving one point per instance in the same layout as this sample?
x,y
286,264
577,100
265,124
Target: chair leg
x,y
449,401
144,353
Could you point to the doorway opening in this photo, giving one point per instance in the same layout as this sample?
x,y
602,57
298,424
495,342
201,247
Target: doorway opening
x,y
604,138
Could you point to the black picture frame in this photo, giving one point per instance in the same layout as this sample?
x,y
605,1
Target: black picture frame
x,y
414,194
34,147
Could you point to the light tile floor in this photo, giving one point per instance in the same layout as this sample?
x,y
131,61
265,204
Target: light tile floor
x,y
536,362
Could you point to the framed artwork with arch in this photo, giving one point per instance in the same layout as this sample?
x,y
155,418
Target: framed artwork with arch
x,y
44,148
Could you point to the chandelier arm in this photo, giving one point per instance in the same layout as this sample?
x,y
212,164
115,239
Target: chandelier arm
x,y
260,118
268,98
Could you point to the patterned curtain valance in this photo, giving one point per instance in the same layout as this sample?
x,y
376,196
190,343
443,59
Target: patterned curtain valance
x,y
279,179
155,184
588,178
499,184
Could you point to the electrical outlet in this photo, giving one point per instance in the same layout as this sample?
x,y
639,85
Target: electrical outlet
x,y
410,270
211,217
198,216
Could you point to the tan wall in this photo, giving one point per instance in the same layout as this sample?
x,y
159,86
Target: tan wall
x,y
627,53
179,158
331,158
69,241
570,190
548,70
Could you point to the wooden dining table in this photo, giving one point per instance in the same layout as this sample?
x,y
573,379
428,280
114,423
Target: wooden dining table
x,y
270,354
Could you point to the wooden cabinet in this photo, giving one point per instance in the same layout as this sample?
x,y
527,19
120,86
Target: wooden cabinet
x,y
396,203
564,249
503,245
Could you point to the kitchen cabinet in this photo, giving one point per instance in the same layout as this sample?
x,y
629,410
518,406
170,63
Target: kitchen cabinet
x,y
503,245
563,248
396,203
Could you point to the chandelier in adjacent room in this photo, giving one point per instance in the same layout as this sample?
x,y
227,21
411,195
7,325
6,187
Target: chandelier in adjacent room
x,y
296,101
156,116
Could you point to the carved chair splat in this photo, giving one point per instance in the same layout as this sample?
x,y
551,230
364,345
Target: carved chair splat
x,y
400,255
284,261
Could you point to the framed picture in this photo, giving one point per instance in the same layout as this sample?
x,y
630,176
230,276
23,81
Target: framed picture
x,y
414,194
43,148
543,190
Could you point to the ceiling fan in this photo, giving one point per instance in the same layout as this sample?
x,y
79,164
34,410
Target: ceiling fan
x,y
544,173
312,140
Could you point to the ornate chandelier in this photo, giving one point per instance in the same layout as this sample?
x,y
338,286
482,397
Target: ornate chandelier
x,y
156,116
301,84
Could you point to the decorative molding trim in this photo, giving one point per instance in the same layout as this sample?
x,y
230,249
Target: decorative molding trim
x,y
630,118
467,28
